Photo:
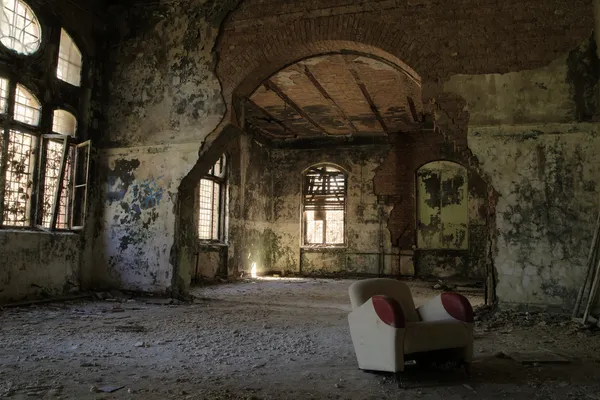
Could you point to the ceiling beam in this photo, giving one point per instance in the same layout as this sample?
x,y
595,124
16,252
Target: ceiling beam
x,y
413,109
366,94
326,95
270,85
270,117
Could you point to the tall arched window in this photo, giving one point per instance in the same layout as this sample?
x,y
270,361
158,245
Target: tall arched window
x,y
211,203
442,206
324,206
43,164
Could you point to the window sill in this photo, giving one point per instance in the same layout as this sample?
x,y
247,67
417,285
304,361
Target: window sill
x,y
38,231
324,249
211,245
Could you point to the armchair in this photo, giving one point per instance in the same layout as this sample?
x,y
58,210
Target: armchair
x,y
387,329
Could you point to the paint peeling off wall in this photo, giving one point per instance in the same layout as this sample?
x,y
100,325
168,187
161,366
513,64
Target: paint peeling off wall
x,y
442,206
35,264
133,244
547,178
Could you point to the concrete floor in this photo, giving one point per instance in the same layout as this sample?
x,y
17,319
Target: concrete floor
x,y
266,339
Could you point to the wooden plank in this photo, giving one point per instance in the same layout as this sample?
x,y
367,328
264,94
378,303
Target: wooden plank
x,y
369,99
273,87
593,254
326,95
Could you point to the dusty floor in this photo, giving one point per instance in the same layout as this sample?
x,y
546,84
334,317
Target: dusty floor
x,y
270,339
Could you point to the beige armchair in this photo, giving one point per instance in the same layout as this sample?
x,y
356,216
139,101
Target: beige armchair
x,y
387,330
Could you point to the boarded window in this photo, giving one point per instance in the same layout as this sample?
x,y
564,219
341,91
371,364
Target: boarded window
x,y
324,205
211,199
442,206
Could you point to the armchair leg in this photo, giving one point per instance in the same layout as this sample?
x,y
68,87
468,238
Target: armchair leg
x,y
401,384
467,366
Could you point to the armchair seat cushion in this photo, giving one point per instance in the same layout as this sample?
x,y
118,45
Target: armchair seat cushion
x,y
435,335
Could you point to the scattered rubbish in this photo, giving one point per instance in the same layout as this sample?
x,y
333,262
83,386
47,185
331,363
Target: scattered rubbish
x,y
538,357
141,344
110,389
469,387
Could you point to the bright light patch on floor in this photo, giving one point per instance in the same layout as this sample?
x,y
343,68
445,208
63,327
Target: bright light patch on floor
x,y
253,271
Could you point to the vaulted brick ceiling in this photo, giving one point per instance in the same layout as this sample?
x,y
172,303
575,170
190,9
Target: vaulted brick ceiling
x,y
335,95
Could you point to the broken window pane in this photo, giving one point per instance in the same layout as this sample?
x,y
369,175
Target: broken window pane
x,y
53,156
69,60
19,181
64,123
324,205
27,107
19,27
3,95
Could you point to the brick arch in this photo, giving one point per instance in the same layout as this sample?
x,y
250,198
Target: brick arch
x,y
244,66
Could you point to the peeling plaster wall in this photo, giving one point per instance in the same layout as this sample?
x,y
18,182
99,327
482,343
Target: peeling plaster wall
x,y
133,241
547,178
528,131
251,238
361,253
163,100
35,264
266,195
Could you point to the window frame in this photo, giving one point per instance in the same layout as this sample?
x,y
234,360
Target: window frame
x,y
219,179
303,219
53,94
41,38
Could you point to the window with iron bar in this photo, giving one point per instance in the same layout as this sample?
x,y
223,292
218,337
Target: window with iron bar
x,y
324,206
37,170
44,167
211,203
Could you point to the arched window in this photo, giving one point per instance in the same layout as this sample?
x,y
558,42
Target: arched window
x,y
19,28
211,203
43,164
69,60
27,107
442,206
324,206
64,123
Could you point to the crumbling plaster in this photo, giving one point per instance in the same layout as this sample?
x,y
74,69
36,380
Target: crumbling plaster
x,y
266,201
135,233
163,90
38,265
528,131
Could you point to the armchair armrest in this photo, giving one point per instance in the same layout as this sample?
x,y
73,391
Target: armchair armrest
x,y
447,306
377,331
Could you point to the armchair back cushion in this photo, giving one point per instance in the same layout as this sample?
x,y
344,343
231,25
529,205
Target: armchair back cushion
x,y
361,291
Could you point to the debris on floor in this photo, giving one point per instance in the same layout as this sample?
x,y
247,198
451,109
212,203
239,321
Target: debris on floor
x,y
538,357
